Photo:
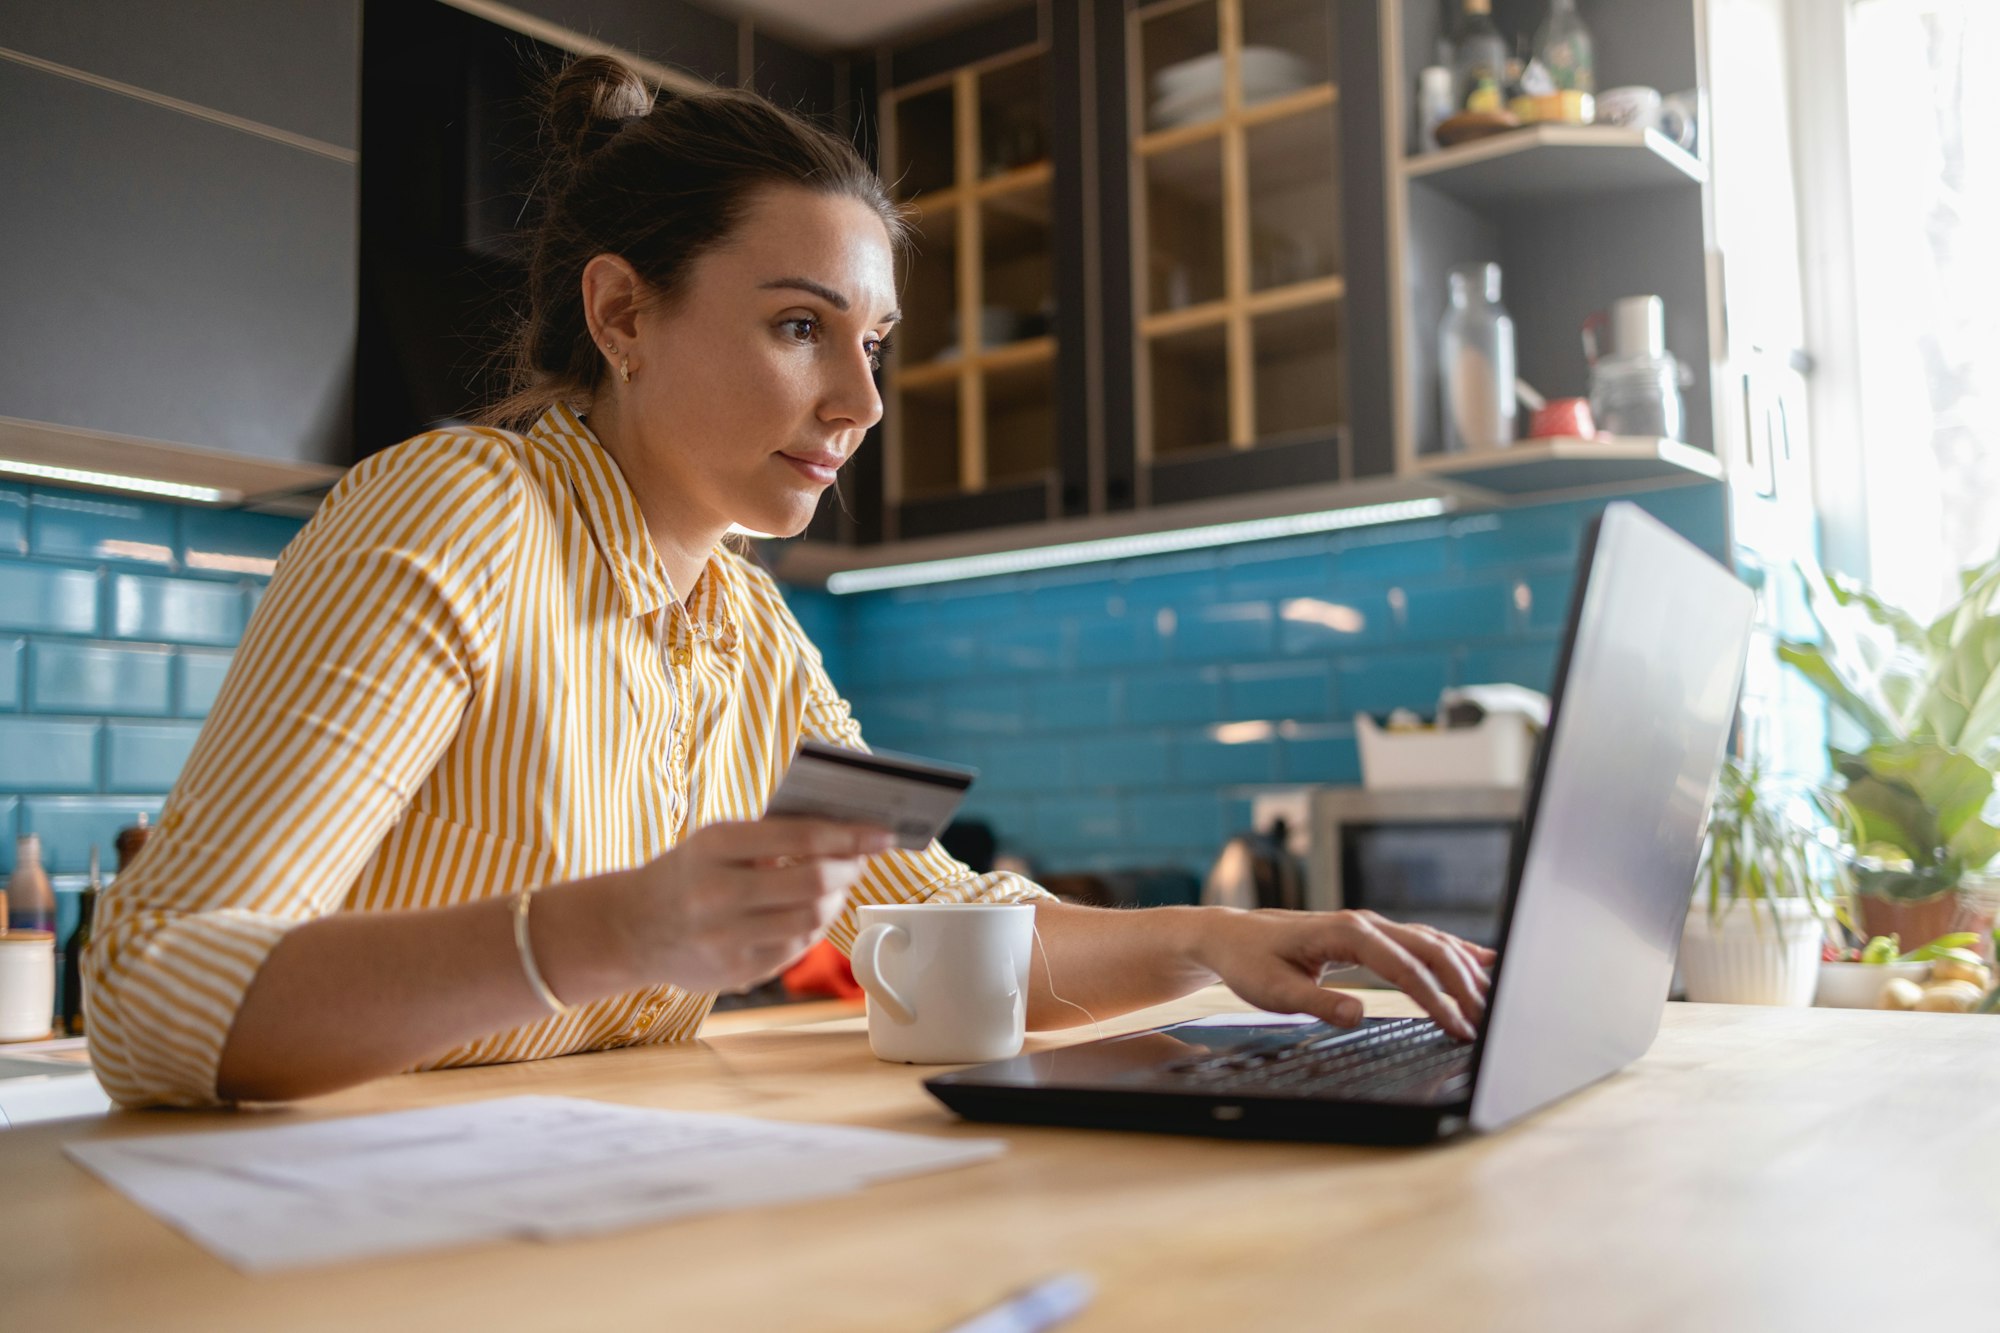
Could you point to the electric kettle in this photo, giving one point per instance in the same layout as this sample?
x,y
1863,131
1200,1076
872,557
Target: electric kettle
x,y
1255,870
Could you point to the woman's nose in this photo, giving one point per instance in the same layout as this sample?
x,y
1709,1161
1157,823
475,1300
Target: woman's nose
x,y
853,397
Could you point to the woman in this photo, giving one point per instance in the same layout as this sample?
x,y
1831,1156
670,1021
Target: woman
x,y
485,780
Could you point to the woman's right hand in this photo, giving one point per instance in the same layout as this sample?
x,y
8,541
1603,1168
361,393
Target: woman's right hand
x,y
735,903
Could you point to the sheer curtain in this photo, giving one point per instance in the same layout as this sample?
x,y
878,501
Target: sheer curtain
x,y
1925,171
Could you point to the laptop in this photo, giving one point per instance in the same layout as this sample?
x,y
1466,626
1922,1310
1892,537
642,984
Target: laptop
x,y
1601,876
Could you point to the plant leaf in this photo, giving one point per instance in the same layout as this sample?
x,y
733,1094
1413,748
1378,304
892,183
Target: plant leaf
x,y
1904,886
1813,662
1955,789
1847,592
1889,814
1961,705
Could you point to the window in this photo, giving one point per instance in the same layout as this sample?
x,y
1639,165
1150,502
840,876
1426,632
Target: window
x,y
1924,166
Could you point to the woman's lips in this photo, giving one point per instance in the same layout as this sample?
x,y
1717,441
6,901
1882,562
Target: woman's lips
x,y
820,468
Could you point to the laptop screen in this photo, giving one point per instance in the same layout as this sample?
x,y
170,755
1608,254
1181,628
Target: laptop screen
x,y
1644,700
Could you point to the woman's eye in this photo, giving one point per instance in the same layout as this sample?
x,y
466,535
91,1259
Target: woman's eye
x,y
803,329
878,348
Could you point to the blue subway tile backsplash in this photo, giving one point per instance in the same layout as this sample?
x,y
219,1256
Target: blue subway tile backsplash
x,y
1121,714
12,653
233,542
48,599
1163,693
67,677
116,620
48,755
13,521
180,610
146,756
92,527
201,675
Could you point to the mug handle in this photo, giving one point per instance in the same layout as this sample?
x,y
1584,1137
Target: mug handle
x,y
866,957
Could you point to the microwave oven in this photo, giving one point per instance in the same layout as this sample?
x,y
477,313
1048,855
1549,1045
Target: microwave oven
x,y
1438,856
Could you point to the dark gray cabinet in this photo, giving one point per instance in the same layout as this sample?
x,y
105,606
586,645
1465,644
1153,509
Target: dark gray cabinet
x,y
179,232
168,277
290,65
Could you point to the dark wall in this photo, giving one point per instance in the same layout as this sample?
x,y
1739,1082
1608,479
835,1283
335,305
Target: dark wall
x,y
163,274
448,135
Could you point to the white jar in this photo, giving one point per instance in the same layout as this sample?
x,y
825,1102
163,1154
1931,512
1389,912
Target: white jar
x,y
27,985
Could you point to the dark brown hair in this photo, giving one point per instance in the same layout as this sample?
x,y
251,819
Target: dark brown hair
x,y
659,180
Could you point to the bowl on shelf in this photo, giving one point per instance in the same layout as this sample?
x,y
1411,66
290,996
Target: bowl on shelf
x,y
1190,91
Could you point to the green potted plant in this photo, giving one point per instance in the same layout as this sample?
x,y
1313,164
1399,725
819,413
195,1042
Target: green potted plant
x,y
1764,886
1926,700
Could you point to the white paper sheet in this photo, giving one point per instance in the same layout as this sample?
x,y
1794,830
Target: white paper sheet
x,y
540,1167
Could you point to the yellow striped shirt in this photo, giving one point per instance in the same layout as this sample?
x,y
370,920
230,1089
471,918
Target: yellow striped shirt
x,y
468,675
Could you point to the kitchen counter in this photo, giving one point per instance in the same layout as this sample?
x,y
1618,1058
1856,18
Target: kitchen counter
x,y
1759,1169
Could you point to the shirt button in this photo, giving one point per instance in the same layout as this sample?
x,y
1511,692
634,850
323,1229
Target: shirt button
x,y
683,657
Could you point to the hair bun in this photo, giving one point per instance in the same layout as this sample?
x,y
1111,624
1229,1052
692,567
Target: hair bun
x,y
591,100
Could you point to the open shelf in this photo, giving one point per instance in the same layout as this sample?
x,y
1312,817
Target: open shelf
x,y
1530,467
1554,161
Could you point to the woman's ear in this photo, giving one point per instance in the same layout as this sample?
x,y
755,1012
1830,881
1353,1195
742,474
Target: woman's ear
x,y
612,291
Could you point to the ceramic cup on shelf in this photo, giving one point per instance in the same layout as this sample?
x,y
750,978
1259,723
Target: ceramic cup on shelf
x,y
1562,418
947,983
1635,107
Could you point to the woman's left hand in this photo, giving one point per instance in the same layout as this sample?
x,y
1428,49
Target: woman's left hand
x,y
1274,959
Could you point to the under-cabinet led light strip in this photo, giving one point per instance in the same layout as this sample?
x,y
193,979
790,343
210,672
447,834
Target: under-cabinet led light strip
x,y
1118,548
115,481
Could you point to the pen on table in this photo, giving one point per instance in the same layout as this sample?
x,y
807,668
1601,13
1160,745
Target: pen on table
x,y
1052,1301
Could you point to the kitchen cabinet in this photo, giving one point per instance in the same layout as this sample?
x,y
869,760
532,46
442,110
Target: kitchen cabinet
x,y
1142,312
972,389
1236,242
1253,309
181,227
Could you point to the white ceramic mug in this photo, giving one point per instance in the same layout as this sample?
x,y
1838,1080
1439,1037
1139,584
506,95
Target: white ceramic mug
x,y
947,983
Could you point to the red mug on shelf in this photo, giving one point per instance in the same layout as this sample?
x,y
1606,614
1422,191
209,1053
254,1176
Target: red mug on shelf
x,y
1562,417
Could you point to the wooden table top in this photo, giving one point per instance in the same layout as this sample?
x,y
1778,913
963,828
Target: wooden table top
x,y
1759,1169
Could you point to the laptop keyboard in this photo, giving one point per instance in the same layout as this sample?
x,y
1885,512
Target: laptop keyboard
x,y
1373,1063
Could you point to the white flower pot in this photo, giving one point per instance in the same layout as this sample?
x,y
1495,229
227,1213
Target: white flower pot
x,y
1742,959
1860,985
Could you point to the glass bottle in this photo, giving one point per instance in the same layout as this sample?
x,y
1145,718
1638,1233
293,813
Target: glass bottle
x,y
31,902
1479,60
130,840
79,940
1563,50
1476,363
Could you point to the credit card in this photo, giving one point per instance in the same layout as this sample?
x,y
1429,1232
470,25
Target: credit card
x,y
913,798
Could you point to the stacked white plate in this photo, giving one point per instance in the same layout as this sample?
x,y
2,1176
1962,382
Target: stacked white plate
x,y
1190,91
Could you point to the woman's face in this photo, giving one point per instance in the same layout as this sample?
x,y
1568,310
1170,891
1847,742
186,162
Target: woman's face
x,y
756,382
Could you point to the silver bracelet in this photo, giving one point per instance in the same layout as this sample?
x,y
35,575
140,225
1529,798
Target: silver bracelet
x,y
527,952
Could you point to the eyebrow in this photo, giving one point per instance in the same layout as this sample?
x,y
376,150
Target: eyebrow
x,y
824,293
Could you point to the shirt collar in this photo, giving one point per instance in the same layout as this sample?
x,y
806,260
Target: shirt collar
x,y
611,512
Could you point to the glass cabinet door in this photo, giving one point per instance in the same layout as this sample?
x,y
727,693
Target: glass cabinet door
x,y
970,388
1237,252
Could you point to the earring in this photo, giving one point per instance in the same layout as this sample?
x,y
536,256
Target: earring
x,y
625,370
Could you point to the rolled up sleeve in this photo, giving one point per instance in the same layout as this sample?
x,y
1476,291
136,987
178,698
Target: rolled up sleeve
x,y
349,684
